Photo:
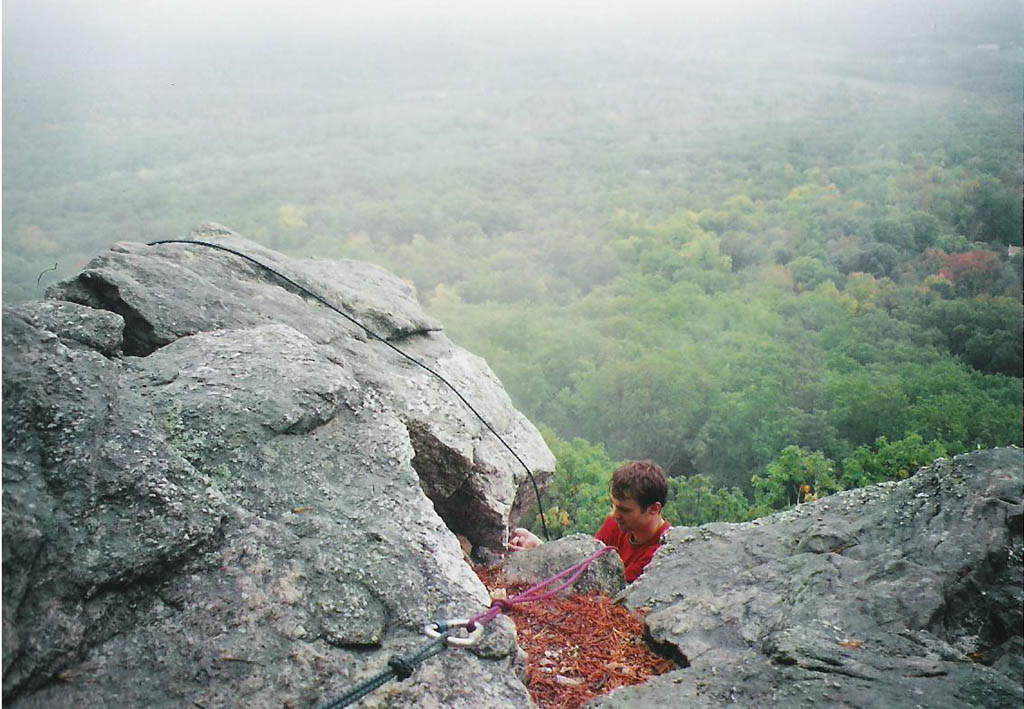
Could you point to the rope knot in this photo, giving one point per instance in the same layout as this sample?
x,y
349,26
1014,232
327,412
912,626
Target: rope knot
x,y
400,666
501,603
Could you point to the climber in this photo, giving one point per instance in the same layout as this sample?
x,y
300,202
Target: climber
x,y
635,527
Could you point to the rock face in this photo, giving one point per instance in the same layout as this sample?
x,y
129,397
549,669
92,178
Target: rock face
x,y
218,492
904,594
532,566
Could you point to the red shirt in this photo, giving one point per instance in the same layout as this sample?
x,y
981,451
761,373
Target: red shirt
x,y
634,558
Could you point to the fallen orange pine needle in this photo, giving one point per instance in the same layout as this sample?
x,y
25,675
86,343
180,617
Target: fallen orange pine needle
x,y
578,647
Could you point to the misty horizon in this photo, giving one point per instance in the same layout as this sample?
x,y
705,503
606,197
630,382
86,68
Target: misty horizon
x,y
698,233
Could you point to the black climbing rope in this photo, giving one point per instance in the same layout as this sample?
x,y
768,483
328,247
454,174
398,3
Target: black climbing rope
x,y
398,667
370,333
40,278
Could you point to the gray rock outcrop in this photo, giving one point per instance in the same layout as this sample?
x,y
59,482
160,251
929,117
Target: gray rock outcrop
x,y
532,566
905,594
217,492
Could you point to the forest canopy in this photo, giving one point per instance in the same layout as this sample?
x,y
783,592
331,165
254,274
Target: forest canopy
x,y
740,255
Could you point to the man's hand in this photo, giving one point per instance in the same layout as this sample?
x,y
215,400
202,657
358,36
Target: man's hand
x,y
522,539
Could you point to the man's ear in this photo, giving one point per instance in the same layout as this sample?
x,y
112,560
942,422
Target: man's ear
x,y
654,509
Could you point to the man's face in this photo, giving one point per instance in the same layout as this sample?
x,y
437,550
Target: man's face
x,y
628,513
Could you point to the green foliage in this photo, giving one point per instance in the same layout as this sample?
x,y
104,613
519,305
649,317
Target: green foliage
x,y
704,277
694,501
576,497
895,232
809,272
985,332
993,212
889,461
796,475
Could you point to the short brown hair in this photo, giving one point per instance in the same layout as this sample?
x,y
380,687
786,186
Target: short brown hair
x,y
641,480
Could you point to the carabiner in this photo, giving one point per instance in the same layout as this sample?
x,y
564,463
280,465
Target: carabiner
x,y
435,628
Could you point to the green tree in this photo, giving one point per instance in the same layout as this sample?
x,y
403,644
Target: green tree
x,y
693,501
894,232
878,259
796,474
926,229
809,272
984,331
576,496
889,461
994,211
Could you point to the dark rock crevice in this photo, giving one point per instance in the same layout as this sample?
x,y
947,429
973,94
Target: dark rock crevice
x,y
447,479
96,291
666,649
411,336
978,611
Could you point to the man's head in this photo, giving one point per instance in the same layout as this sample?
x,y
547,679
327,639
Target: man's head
x,y
638,491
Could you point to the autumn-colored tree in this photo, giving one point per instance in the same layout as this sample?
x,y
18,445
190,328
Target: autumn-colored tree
x,y
973,272
864,288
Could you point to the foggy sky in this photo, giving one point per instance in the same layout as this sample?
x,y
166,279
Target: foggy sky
x,y
101,87
60,39
231,18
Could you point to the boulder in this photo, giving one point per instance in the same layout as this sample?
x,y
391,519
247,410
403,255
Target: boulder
x,y
172,290
903,594
215,489
605,574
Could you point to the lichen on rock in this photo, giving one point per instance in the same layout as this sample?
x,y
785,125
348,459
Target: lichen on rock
x,y
902,594
210,496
